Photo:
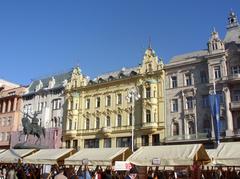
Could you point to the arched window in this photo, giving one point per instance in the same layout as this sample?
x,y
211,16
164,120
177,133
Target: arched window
x,y
148,116
175,129
108,121
191,128
87,124
119,120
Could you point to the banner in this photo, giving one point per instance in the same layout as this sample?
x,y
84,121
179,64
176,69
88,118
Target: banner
x,y
214,100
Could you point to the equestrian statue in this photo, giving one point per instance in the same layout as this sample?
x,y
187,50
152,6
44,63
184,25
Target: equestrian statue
x,y
31,128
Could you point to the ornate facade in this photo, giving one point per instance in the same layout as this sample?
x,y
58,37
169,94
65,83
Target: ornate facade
x,y
10,115
100,114
45,97
191,77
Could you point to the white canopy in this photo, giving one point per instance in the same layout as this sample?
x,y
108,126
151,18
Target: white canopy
x,y
48,156
169,155
13,155
227,154
99,156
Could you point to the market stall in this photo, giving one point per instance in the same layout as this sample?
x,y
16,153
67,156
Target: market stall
x,y
15,155
171,155
226,154
98,156
49,156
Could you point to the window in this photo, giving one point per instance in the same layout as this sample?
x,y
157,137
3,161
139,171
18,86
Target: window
x,y
203,77
119,120
148,92
174,105
188,79
70,124
191,128
148,116
217,72
174,82
56,104
108,100
205,101
235,70
98,102
189,104
107,143
155,139
119,99
124,141
91,143
75,144
130,119
145,140
67,144
175,128
97,122
87,125
236,95
108,122
87,104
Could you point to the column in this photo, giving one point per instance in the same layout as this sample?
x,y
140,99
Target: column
x,y
150,139
229,131
4,107
15,104
9,105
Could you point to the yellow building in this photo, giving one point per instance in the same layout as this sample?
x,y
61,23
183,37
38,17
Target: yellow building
x,y
101,112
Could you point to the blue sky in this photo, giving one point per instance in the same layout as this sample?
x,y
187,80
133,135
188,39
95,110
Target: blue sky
x,y
40,38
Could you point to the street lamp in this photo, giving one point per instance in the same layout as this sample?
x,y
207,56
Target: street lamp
x,y
133,94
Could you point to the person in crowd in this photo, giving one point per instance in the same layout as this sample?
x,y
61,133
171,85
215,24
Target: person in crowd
x,y
60,175
132,174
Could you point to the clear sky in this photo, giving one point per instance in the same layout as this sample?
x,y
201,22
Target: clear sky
x,y
40,38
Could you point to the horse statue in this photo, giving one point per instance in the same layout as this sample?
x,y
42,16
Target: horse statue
x,y
31,128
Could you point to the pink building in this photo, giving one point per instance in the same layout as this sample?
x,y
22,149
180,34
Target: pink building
x,y
10,115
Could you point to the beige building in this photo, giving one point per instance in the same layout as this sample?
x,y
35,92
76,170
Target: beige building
x,y
189,80
100,114
10,116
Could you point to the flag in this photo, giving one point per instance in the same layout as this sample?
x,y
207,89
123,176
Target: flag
x,y
214,100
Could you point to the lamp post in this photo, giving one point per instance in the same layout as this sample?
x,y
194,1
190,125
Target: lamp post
x,y
133,94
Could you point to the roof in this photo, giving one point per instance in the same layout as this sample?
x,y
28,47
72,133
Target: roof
x,y
227,154
190,55
117,74
48,156
169,155
13,155
98,156
233,35
59,78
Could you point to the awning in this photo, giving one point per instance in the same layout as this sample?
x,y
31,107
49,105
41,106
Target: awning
x,y
99,156
14,155
227,154
49,156
169,155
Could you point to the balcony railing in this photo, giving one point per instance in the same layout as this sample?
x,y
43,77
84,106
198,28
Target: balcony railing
x,y
187,137
235,105
106,130
71,133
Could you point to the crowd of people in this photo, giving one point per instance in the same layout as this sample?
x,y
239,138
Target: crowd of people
x,y
28,171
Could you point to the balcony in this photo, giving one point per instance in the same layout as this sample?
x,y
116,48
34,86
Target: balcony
x,y
151,126
106,131
189,111
71,133
197,136
235,105
234,78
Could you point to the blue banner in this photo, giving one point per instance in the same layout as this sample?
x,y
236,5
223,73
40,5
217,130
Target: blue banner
x,y
214,101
